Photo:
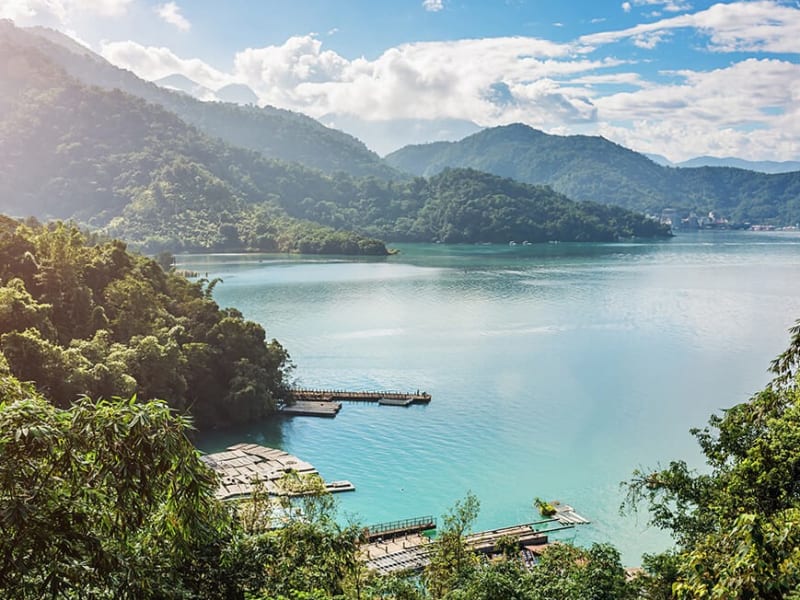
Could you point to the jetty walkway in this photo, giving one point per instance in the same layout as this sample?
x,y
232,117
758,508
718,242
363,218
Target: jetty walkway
x,y
327,403
401,545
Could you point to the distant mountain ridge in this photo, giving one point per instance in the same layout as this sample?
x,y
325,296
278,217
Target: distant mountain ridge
x,y
276,133
761,166
595,169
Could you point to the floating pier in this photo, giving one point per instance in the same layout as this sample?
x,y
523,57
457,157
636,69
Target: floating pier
x,y
401,548
485,542
308,408
328,403
242,467
383,397
566,515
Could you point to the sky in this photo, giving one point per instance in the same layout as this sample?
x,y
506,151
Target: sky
x,y
679,78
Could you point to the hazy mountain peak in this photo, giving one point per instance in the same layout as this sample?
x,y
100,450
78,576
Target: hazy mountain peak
x,y
237,93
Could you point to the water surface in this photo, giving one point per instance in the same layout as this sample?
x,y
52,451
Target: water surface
x,y
555,369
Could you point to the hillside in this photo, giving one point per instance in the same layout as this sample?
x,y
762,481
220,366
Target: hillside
x,y
592,168
80,317
138,172
273,132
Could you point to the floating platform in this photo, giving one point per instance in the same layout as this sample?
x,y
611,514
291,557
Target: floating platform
x,y
566,515
395,401
308,408
242,467
340,486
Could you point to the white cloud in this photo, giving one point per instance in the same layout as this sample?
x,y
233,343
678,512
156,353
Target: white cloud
x,y
650,40
750,109
433,5
171,13
59,12
760,26
667,5
154,63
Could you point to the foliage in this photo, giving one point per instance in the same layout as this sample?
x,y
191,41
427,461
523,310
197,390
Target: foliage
x,y
595,169
738,522
77,319
451,561
545,508
103,500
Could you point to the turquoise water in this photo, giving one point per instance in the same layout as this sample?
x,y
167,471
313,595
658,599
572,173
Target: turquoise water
x,y
555,369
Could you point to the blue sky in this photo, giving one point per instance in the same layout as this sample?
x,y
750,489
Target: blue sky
x,y
675,77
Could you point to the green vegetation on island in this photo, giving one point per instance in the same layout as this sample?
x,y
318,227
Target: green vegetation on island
x,y
80,318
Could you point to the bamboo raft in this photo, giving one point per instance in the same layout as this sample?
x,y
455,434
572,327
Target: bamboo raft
x,y
242,467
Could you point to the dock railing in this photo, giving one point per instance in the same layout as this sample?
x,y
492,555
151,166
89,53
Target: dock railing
x,y
400,527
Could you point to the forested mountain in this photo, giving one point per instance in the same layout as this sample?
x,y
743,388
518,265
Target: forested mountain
x,y
592,168
112,161
273,132
78,317
137,171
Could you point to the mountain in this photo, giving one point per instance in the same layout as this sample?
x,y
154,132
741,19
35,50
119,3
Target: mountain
x,y
274,132
181,83
237,93
385,136
659,159
595,169
136,171
762,166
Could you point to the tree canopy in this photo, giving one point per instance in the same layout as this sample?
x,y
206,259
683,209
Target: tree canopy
x,y
736,522
80,316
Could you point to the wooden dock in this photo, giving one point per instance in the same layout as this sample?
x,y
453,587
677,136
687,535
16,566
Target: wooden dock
x,y
411,550
244,466
382,397
485,542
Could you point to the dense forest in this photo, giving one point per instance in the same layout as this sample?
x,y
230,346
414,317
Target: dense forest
x,y
593,168
83,317
138,172
108,499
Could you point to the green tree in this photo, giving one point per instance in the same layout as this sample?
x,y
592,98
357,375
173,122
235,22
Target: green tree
x,y
451,561
738,522
105,499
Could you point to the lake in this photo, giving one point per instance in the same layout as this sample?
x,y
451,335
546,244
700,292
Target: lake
x,y
555,369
